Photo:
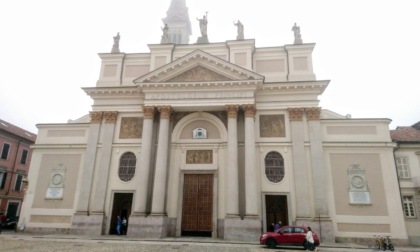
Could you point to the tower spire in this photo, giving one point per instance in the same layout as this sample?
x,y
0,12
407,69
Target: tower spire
x,y
178,21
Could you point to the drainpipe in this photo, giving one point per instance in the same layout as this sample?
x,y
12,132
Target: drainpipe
x,y
398,178
288,65
122,69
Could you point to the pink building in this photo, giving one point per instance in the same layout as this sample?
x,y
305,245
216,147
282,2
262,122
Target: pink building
x,y
15,158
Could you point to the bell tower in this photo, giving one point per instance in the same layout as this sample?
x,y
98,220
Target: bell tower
x,y
178,21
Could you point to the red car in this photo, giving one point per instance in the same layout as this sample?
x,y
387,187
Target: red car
x,y
287,236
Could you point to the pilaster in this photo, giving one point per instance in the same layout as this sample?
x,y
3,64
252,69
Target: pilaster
x,y
302,189
232,173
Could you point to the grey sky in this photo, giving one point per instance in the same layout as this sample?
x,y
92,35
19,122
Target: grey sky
x,y
368,49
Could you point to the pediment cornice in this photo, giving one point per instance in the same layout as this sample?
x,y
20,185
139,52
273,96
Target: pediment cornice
x,y
198,66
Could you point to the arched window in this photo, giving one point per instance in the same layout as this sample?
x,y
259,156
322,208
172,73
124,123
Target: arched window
x,y
274,167
127,167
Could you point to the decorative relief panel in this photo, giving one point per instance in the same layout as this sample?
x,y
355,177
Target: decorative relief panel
x,y
199,157
55,189
199,73
131,127
358,187
272,126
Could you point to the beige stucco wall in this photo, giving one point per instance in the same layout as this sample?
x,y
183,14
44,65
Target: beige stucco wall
x,y
370,162
72,163
37,211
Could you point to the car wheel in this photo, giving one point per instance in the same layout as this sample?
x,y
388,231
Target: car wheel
x,y
271,243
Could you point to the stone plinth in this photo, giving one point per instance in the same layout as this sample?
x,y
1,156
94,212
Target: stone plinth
x,y
202,40
247,229
147,226
83,224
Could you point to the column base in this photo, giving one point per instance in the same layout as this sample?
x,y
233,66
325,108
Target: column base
x,y
247,229
151,226
83,224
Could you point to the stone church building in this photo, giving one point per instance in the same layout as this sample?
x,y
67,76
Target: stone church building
x,y
213,139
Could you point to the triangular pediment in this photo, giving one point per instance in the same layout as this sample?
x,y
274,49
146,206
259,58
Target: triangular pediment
x,y
199,66
199,73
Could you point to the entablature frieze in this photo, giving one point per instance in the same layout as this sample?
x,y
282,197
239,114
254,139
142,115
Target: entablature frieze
x,y
222,94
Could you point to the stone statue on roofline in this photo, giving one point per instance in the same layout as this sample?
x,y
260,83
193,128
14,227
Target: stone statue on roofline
x,y
203,29
298,38
240,26
165,38
116,46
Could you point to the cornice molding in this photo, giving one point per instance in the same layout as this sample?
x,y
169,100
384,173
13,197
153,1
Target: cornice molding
x,y
198,58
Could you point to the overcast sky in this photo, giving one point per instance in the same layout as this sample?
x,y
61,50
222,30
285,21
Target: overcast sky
x,y
369,49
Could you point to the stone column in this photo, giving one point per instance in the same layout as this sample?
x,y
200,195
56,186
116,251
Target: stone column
x,y
232,173
319,176
104,163
89,163
82,222
140,202
159,186
303,195
319,173
251,173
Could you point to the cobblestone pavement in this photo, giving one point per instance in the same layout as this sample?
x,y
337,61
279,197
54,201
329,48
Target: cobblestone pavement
x,y
45,243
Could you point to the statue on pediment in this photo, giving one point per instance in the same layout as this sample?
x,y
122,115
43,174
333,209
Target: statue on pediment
x,y
203,25
298,37
165,37
240,26
116,46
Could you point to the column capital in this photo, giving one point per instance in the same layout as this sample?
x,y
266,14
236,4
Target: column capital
x,y
249,109
165,112
232,110
110,116
95,117
149,112
296,114
313,113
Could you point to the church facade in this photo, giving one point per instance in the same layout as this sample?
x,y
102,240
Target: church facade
x,y
217,140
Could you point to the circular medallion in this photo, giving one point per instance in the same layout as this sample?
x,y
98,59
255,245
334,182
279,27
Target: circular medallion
x,y
357,181
57,179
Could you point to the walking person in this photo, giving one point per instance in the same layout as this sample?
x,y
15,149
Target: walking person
x,y
276,227
119,222
124,226
310,243
271,227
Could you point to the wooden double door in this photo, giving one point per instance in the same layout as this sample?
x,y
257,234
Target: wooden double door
x,y
197,205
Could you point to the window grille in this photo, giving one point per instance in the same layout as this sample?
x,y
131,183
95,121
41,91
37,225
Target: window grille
x,y
127,167
274,167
